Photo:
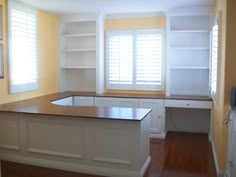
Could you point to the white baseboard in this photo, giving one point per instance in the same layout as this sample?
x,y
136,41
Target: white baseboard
x,y
219,172
156,135
103,171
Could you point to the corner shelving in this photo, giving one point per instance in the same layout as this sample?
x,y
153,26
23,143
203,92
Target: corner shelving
x,y
188,54
78,52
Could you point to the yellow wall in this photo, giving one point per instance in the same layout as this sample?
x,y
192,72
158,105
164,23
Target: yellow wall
x,y
47,58
135,23
219,132
227,79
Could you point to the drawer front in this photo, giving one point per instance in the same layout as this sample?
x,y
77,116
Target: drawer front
x,y
105,102
127,102
188,104
83,101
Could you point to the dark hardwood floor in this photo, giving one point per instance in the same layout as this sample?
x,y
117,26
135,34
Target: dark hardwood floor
x,y
179,155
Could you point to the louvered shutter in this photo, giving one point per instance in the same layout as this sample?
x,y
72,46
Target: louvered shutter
x,y
134,60
22,47
120,60
214,56
149,54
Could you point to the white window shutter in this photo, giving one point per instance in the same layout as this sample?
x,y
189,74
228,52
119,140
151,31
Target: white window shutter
x,y
22,47
149,60
135,60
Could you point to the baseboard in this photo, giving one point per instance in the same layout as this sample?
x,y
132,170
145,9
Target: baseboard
x,y
158,135
94,170
219,172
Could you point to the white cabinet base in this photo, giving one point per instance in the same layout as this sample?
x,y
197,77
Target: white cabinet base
x,y
103,147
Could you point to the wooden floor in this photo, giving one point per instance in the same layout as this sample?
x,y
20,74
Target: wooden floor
x,y
179,155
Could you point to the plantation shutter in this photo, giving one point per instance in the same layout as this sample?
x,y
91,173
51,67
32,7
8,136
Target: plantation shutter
x,y
22,47
134,60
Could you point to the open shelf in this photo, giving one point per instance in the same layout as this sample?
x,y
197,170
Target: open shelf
x,y
188,55
78,55
80,50
80,35
78,67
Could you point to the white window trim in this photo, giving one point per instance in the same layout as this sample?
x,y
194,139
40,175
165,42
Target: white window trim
x,y
140,87
214,94
27,86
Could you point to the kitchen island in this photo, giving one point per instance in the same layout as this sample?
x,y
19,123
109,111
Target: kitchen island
x,y
108,141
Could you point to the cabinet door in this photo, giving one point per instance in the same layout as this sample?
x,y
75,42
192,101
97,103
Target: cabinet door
x,y
232,148
83,101
105,102
157,120
127,102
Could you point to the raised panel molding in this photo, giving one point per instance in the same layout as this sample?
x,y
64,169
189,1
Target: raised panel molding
x,y
55,153
55,136
112,145
9,132
102,147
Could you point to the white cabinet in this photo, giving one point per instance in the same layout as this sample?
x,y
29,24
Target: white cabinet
x,y
116,102
105,102
83,101
188,104
231,160
157,120
127,102
188,54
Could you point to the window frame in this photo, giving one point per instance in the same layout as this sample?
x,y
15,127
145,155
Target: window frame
x,y
135,87
218,22
30,86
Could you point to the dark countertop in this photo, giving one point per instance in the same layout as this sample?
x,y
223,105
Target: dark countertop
x,y
43,105
147,96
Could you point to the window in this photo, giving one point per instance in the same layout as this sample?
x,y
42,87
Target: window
x,y
135,60
214,57
22,47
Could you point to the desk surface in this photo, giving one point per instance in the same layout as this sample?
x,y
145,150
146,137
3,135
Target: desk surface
x,y
43,105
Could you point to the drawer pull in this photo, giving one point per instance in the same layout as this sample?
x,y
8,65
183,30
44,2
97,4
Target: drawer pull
x,y
187,104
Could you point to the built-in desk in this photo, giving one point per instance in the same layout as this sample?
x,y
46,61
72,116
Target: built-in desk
x,y
175,113
106,141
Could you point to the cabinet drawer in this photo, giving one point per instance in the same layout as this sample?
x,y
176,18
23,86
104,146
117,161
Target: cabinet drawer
x,y
83,101
105,102
188,104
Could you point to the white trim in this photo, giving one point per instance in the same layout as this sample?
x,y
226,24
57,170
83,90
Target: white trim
x,y
158,135
134,15
219,172
11,147
60,154
76,167
109,160
145,166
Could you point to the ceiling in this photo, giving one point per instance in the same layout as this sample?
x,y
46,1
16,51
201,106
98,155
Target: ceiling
x,y
113,6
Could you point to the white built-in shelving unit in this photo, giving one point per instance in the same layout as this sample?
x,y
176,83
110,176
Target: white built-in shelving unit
x,y
188,52
80,53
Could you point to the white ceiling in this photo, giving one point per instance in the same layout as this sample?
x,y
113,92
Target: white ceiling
x,y
113,6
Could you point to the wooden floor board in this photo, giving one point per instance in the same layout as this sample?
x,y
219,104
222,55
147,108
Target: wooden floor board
x,y
179,155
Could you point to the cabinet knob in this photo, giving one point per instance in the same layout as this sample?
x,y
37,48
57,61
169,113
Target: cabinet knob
x,y
159,116
187,104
